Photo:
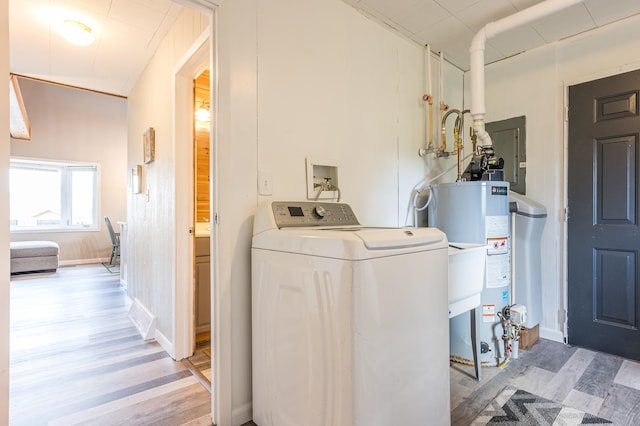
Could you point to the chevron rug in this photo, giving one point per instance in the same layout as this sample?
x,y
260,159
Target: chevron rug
x,y
516,407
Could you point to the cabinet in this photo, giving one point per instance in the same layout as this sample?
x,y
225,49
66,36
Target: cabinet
x,y
203,285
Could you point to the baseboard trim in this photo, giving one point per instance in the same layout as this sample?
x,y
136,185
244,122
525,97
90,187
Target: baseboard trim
x,y
242,414
75,262
550,334
143,319
166,344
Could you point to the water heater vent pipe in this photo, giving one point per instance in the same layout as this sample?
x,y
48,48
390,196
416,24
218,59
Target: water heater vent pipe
x,y
476,51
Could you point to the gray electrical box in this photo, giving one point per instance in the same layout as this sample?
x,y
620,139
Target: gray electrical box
x,y
510,143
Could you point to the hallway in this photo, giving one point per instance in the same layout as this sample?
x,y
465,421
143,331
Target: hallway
x,y
77,359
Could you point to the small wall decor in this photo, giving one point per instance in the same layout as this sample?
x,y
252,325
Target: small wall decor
x,y
149,145
136,179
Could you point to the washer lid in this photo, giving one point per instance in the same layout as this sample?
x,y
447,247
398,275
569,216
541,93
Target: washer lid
x,y
351,243
394,238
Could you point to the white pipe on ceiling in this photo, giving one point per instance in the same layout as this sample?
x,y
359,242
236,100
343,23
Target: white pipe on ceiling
x,y
476,51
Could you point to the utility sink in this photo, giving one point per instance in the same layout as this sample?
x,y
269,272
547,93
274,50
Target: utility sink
x,y
466,276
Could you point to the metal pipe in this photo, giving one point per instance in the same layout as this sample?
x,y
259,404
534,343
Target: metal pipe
x,y
443,106
443,130
428,97
459,126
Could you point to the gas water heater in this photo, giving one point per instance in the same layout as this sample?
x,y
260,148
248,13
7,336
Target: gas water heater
x,y
478,212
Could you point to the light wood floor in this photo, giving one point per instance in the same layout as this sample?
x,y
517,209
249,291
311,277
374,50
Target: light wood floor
x,y
77,359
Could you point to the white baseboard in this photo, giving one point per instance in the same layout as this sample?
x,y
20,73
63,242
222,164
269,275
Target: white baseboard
x,y
75,262
242,414
550,334
166,344
143,319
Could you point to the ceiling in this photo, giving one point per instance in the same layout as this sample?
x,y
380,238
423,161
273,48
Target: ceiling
x,y
128,32
449,25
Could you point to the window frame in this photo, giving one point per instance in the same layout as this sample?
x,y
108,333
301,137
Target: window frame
x,y
66,168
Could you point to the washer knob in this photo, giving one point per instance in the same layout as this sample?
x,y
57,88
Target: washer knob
x,y
320,211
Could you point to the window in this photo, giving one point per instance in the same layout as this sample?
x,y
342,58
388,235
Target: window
x,y
46,195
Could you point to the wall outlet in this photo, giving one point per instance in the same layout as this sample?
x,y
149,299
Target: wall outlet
x,y
265,182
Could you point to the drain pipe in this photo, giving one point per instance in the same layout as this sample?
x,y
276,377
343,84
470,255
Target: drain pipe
x,y
476,51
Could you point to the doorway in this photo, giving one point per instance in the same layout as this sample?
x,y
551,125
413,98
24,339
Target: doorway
x,y
202,219
200,57
604,204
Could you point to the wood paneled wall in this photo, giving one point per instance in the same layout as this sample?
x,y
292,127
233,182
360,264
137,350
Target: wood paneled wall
x,y
202,195
202,176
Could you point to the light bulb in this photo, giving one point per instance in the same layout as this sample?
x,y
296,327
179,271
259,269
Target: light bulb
x,y
77,33
203,115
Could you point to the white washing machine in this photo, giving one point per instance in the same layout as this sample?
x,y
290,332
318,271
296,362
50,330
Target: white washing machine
x,y
350,324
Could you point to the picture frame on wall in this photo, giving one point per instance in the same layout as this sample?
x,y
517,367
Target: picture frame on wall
x,y
149,145
136,179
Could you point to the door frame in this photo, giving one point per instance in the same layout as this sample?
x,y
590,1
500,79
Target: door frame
x,y
194,62
206,46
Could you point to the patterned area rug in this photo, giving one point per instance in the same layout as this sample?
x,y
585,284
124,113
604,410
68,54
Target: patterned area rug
x,y
519,408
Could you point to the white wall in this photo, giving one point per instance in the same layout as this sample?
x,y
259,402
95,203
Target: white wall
x,y
151,218
334,85
297,79
329,85
4,215
77,125
533,84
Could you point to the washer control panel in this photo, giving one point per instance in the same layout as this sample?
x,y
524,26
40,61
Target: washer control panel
x,y
310,213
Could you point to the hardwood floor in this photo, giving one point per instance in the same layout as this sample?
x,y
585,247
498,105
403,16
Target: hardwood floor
x,y
77,359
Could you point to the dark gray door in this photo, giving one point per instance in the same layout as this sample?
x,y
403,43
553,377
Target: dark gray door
x,y
603,229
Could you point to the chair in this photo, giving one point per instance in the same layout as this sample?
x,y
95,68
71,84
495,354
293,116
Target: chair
x,y
115,242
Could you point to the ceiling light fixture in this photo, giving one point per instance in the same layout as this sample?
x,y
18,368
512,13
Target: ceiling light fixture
x,y
203,114
77,33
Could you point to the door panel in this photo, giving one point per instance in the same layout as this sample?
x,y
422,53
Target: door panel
x,y
616,168
615,271
603,229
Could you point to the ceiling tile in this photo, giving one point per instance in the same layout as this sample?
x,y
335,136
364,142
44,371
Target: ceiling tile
x,y
91,14
565,23
117,33
421,16
445,32
134,28
524,4
454,6
389,8
477,15
451,37
159,5
68,63
136,14
603,13
95,6
517,40
374,14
